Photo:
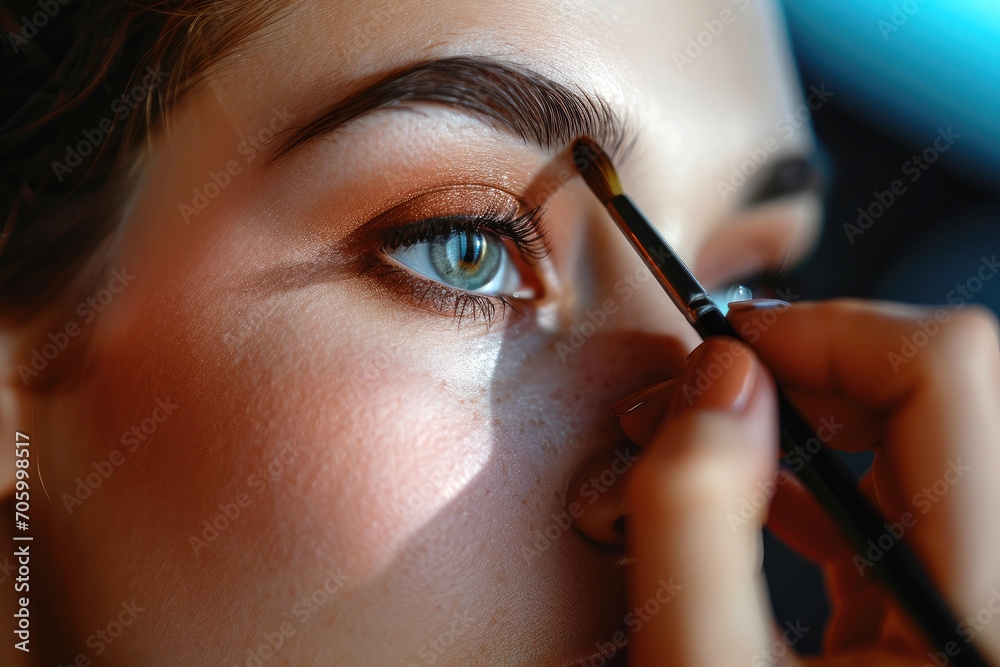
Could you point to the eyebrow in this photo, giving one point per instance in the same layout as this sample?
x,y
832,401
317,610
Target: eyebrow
x,y
526,104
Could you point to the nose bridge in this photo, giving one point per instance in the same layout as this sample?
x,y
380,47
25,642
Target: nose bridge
x,y
629,336
622,294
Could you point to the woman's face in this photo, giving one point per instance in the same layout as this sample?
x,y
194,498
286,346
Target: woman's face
x,y
310,451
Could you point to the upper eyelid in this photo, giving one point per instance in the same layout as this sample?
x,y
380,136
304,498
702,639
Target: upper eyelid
x,y
460,198
469,201
524,229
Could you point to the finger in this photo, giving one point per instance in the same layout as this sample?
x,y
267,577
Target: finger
x,y
857,602
858,619
640,414
856,348
704,458
797,519
937,374
857,427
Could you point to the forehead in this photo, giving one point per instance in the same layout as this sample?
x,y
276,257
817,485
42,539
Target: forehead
x,y
676,57
702,81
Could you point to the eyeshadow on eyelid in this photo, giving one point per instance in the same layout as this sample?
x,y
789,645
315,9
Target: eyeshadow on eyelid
x,y
450,200
447,200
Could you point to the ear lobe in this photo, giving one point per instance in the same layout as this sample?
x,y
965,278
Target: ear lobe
x,y
17,415
18,427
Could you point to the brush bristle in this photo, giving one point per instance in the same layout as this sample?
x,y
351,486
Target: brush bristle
x,y
596,168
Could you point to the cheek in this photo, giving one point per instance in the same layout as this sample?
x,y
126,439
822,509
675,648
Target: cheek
x,y
398,432
316,414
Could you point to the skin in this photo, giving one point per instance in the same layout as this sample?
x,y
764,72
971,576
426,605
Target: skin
x,y
418,461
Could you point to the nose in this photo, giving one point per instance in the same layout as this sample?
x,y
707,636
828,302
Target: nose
x,y
636,337
596,498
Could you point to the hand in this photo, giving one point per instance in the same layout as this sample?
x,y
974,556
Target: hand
x,y
919,387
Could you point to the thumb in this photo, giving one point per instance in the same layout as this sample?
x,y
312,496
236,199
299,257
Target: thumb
x,y
691,528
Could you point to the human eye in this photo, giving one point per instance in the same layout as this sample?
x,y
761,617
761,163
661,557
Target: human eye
x,y
767,284
727,294
471,253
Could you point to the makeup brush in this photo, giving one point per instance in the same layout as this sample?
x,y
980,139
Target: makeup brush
x,y
822,472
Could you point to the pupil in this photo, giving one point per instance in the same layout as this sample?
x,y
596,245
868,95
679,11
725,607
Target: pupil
x,y
470,248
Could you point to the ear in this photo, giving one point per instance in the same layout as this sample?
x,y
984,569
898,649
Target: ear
x,y
16,419
29,365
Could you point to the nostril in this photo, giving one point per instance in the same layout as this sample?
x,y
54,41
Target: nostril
x,y
595,497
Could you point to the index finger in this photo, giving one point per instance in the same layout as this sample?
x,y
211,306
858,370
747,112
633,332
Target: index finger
x,y
874,352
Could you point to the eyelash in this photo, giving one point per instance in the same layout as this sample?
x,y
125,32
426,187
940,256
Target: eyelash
x,y
524,231
769,283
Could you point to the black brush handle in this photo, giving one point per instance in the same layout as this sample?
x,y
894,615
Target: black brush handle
x,y
822,472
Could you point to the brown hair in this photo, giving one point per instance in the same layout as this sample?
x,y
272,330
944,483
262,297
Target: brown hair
x,y
87,82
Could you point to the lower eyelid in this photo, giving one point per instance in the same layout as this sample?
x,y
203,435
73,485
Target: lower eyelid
x,y
441,299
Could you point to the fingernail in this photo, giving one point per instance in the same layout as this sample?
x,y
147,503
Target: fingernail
x,y
719,376
757,304
638,399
